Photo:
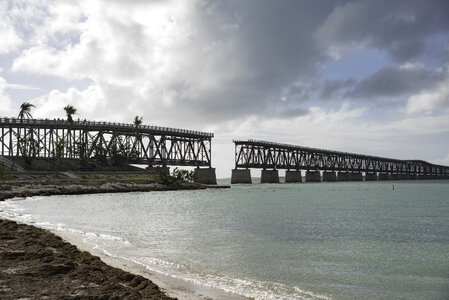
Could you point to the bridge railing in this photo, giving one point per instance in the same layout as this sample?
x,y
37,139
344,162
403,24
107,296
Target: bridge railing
x,y
263,154
101,124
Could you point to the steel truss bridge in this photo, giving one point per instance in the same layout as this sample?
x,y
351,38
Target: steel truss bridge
x,y
269,155
103,141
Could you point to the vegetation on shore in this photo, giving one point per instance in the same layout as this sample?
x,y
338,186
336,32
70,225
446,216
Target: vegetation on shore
x,y
5,173
177,177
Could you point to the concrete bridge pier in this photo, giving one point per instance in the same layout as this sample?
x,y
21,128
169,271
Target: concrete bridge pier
x,y
241,176
269,176
356,176
343,176
293,176
329,176
313,176
384,176
370,176
205,175
395,176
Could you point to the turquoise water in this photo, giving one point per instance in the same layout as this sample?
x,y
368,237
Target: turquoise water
x,y
360,240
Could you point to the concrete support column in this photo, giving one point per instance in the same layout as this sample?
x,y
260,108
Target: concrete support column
x,y
370,176
241,176
313,176
384,176
395,176
357,176
269,176
329,176
206,176
293,176
343,176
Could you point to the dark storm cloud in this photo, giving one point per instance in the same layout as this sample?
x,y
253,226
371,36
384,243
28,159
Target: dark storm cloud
x,y
393,81
401,27
280,46
330,89
241,58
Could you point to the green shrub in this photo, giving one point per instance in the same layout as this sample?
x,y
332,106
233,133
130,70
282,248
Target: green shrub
x,y
5,173
177,177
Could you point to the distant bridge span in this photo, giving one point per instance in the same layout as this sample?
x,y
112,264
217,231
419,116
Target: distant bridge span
x,y
269,155
152,145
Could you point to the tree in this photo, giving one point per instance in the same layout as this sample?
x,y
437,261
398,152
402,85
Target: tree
x,y
25,109
177,177
70,111
138,121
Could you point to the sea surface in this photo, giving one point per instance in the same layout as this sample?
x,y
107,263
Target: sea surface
x,y
349,240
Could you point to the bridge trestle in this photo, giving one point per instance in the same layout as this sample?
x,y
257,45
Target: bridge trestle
x,y
335,165
104,142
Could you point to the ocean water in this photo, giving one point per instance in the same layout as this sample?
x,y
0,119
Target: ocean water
x,y
351,240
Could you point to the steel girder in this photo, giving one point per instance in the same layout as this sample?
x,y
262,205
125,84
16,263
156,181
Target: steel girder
x,y
268,155
103,141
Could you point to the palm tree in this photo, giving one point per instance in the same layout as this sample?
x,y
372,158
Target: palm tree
x,y
25,109
138,121
70,111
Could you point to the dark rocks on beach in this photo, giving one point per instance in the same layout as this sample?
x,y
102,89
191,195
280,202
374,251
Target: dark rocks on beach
x,y
73,187
37,264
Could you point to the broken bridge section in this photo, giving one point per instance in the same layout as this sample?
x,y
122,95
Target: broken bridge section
x,y
104,141
324,165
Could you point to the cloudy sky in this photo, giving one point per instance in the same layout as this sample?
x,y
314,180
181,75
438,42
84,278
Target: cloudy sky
x,y
360,76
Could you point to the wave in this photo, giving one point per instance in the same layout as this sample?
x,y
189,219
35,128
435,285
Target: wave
x,y
106,243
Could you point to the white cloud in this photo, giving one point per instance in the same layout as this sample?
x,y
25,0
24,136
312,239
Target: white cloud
x,y
89,103
441,161
16,86
6,109
430,100
9,38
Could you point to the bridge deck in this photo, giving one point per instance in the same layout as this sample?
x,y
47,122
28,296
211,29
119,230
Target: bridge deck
x,y
100,126
264,154
107,142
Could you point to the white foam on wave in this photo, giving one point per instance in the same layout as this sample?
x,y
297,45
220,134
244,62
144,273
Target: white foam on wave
x,y
259,290
104,243
12,211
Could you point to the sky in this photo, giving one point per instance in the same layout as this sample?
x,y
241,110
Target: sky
x,y
367,77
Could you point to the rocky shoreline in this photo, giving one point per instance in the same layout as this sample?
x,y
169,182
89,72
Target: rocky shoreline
x,y
36,264
74,188
57,184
